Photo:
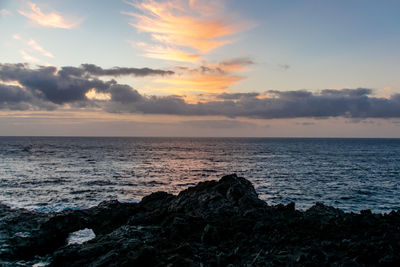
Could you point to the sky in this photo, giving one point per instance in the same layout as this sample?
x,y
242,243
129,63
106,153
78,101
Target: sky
x,y
261,68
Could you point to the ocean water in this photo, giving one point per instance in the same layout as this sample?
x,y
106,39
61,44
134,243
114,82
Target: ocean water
x,y
57,173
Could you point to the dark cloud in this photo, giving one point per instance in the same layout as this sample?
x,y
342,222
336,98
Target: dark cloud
x,y
13,98
226,67
284,66
124,94
47,88
13,94
347,92
16,98
236,96
69,84
237,61
117,71
349,103
65,86
210,70
291,95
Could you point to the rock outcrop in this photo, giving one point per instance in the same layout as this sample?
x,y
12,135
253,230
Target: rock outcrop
x,y
215,223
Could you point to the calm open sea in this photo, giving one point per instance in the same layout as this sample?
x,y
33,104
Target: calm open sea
x,y
56,173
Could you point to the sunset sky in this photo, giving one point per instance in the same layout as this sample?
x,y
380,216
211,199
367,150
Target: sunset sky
x,y
200,68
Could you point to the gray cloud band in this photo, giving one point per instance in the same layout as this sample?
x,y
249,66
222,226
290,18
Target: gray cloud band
x,y
49,88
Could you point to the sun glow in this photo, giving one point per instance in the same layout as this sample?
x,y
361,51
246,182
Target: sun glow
x,y
12,83
94,95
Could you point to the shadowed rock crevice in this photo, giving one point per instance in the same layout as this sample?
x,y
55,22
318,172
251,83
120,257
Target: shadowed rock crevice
x,y
215,223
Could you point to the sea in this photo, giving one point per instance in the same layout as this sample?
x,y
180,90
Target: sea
x,y
49,174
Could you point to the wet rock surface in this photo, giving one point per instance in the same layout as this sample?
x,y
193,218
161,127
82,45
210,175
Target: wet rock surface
x,y
215,223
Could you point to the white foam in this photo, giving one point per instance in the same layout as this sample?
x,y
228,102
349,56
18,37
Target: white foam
x,y
23,234
127,200
80,236
40,264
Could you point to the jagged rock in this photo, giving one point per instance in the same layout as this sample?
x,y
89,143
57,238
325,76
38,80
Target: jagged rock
x,y
215,223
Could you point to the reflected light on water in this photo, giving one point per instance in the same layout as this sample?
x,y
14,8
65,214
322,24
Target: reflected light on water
x,y
48,174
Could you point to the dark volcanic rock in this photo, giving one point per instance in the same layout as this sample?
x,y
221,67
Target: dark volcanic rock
x,y
211,224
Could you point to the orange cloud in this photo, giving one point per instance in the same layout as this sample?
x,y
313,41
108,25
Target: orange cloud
x,y
51,20
167,53
201,83
211,78
186,30
184,25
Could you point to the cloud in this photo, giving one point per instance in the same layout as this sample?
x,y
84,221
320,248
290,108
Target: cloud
x,y
5,12
118,71
306,123
235,64
181,26
50,88
359,92
34,45
92,94
45,84
284,66
218,124
68,84
32,51
185,31
211,78
236,96
200,83
12,93
349,103
124,94
16,98
225,67
27,57
51,19
167,53
16,36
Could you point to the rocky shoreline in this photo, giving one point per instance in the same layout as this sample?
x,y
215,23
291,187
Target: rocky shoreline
x,y
215,223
